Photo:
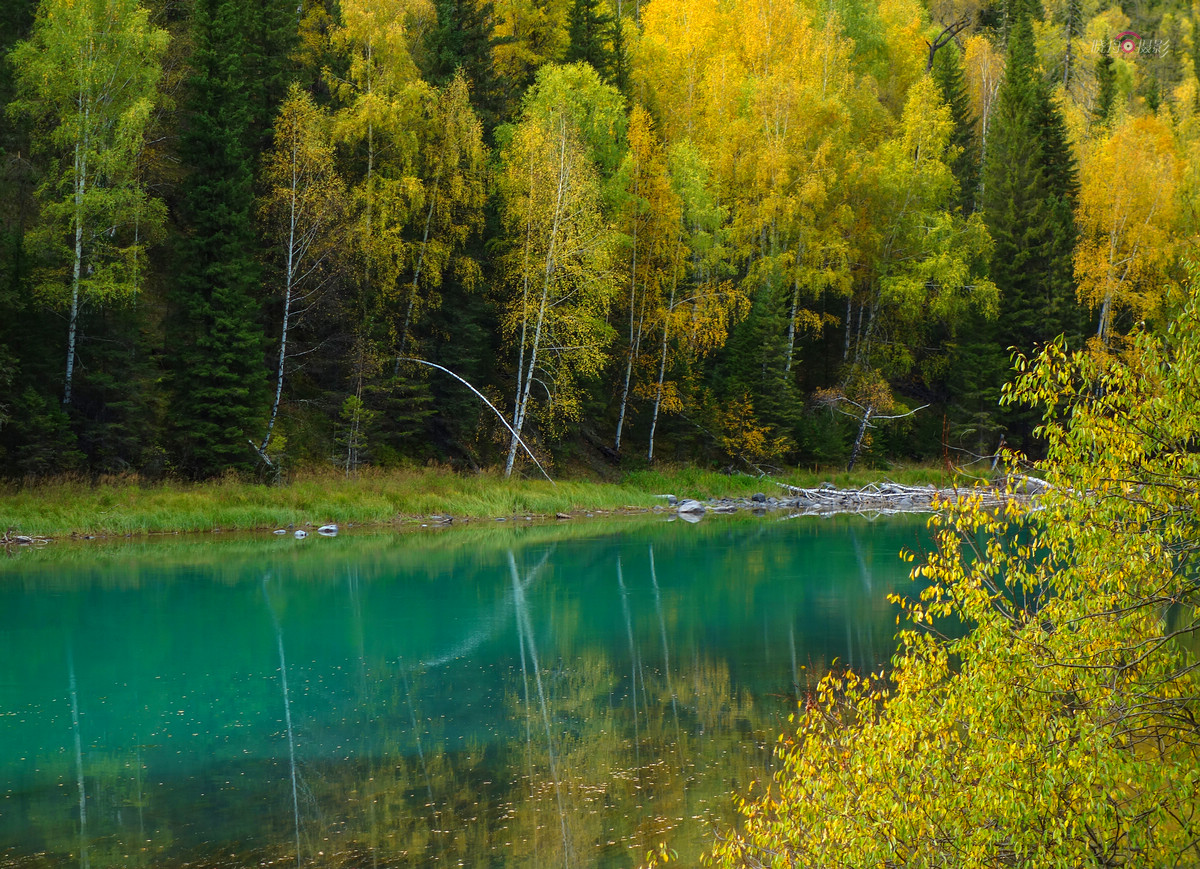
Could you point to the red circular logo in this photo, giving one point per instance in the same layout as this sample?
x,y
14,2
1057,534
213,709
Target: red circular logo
x,y
1127,42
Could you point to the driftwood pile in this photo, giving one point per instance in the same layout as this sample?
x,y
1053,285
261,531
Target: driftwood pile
x,y
894,498
11,538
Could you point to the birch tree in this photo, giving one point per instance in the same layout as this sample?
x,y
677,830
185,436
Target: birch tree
x,y
528,34
381,98
448,208
1126,213
924,262
649,221
771,102
303,207
1041,708
89,72
984,69
559,267
698,304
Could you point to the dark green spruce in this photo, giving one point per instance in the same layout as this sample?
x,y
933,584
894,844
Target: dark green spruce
x,y
1030,182
590,30
1106,82
948,73
463,39
216,344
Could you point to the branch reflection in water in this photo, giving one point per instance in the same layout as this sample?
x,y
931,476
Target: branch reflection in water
x,y
653,665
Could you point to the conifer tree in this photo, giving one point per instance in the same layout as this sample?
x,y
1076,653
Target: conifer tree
x,y
619,64
1029,190
1063,313
217,343
16,19
1072,28
948,73
1029,177
1106,82
16,191
274,29
462,40
590,32
1153,94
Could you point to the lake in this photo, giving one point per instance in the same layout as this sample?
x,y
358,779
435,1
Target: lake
x,y
498,696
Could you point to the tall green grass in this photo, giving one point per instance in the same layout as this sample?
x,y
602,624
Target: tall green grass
x,y
122,506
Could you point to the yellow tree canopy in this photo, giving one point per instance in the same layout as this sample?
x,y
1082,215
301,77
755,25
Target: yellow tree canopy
x,y
1126,214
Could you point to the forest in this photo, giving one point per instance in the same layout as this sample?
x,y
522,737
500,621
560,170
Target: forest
x,y
252,237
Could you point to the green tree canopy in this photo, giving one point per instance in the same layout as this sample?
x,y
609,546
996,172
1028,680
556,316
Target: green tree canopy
x,y
90,72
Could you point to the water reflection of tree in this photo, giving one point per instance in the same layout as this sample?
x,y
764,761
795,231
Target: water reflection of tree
x,y
610,756
642,722
97,817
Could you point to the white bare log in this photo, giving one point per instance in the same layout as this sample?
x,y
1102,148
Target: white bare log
x,y
483,398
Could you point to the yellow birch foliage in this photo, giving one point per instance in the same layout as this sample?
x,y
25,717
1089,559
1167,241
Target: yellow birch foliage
x,y
1056,727
447,207
768,98
743,438
671,62
983,68
382,97
649,218
528,34
924,263
1126,215
696,304
904,31
558,272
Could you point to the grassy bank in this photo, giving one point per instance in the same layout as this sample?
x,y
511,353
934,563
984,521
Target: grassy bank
x,y
117,507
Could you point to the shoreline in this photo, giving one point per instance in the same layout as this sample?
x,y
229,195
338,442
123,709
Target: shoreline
x,y
249,508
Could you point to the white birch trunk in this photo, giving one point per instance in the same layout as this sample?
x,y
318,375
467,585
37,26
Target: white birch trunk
x,y
412,292
849,317
862,431
662,362
524,317
632,346
289,285
77,265
527,384
787,365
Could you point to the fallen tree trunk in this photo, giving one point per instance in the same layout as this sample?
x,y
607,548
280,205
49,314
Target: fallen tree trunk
x,y
893,497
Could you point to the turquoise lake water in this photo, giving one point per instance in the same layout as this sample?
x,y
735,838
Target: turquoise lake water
x,y
544,696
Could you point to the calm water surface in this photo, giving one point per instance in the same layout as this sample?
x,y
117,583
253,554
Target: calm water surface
x,y
491,697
